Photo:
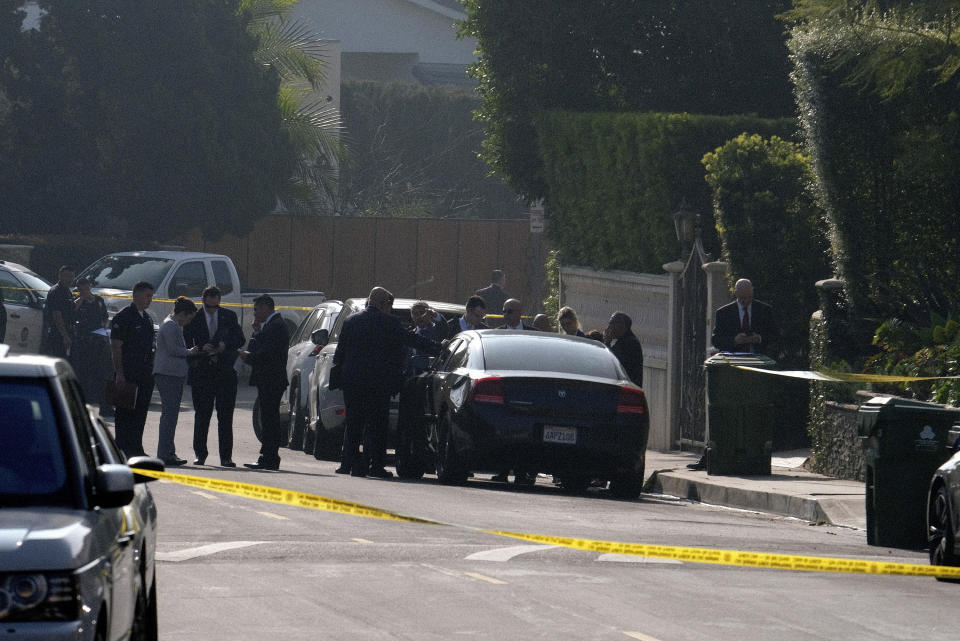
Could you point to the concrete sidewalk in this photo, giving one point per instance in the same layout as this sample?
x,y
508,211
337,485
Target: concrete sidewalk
x,y
789,490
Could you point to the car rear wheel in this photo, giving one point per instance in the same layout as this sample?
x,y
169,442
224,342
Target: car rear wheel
x,y
940,537
145,615
324,447
450,470
296,421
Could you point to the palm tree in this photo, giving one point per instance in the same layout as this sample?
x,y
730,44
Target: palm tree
x,y
296,52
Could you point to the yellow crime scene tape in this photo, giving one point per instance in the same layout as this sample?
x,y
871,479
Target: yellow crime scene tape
x,y
838,377
694,555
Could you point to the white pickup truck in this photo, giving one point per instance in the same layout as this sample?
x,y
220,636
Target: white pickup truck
x,y
179,273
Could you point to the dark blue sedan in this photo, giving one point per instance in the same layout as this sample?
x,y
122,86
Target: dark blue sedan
x,y
534,402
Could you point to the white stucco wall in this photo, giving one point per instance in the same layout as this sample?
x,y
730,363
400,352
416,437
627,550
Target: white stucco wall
x,y
388,26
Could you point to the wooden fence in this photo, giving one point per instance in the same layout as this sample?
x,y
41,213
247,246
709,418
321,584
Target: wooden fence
x,y
444,260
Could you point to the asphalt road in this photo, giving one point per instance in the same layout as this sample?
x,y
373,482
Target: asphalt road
x,y
231,568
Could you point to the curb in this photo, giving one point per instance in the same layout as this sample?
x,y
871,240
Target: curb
x,y
832,510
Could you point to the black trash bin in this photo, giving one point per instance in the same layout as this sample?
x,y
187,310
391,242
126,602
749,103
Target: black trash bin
x,y
740,414
904,442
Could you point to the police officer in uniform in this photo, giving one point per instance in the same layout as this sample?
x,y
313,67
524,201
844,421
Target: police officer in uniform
x,y
131,347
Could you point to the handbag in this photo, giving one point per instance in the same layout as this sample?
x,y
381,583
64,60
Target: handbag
x,y
122,395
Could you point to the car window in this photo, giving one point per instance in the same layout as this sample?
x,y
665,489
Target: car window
x,y
346,312
458,356
189,280
32,464
447,354
307,320
14,293
123,272
81,422
548,353
222,277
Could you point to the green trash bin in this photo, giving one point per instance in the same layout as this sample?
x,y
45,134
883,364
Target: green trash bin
x,y
904,442
740,414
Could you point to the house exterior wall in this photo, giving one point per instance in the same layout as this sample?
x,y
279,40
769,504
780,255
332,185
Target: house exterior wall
x,y
388,26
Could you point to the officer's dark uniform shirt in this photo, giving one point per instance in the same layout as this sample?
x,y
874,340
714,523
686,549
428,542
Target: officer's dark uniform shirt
x,y
136,331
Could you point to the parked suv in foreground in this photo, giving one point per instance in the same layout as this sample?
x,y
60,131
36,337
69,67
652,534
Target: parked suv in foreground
x,y
77,525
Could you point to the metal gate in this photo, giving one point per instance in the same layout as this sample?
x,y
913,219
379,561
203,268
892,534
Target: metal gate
x,y
693,348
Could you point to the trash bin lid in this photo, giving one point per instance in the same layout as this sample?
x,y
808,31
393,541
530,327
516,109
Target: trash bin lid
x,y
724,359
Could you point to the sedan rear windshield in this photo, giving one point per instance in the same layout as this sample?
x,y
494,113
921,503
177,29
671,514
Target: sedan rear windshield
x,y
548,353
32,468
123,272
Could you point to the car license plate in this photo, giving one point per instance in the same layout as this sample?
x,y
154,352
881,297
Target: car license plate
x,y
557,434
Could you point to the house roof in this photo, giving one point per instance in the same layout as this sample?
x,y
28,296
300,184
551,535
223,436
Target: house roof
x,y
449,8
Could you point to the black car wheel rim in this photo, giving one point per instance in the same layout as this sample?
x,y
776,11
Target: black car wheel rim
x,y
939,537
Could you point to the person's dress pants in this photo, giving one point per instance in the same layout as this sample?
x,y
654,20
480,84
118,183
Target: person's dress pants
x,y
220,394
171,393
368,413
130,421
270,422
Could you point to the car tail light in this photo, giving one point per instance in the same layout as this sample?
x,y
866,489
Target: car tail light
x,y
631,401
488,390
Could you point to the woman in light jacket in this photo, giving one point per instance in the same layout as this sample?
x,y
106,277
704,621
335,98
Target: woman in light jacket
x,y
170,373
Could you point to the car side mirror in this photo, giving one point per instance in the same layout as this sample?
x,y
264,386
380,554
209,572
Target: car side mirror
x,y
113,484
145,463
320,337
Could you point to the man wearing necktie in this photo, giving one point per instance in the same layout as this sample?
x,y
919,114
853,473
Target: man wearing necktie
x,y
745,325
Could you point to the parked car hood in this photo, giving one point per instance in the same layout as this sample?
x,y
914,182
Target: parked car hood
x,y
46,538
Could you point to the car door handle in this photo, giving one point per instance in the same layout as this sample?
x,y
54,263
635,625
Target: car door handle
x,y
126,538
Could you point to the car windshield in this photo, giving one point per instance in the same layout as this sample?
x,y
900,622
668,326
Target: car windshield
x,y
35,283
123,272
32,469
548,353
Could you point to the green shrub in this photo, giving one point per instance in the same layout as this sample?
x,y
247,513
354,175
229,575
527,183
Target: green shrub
x,y
771,231
615,179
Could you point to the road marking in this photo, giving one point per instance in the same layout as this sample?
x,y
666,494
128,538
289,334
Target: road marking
x,y
437,568
212,497
204,550
639,636
359,540
507,553
483,577
627,558
274,516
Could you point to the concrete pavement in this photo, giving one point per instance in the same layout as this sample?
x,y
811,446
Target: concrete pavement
x,y
789,490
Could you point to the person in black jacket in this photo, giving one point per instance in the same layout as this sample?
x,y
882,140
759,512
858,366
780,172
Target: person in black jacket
x,y
513,316
370,352
475,311
267,355
621,340
493,295
132,340
212,377
746,324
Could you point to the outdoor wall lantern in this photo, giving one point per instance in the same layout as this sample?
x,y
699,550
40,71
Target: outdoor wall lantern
x,y
686,224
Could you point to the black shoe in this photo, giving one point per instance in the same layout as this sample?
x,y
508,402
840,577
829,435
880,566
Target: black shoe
x,y
227,464
260,465
380,473
523,478
342,470
358,472
499,478
174,461
699,465
200,460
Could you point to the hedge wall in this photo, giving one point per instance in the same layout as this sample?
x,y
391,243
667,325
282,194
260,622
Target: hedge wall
x,y
615,179
886,173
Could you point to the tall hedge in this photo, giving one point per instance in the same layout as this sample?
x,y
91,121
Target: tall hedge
x,y
771,230
886,171
415,152
614,179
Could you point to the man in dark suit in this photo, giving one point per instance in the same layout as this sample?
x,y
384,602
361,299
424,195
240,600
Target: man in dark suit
x,y
212,377
624,344
493,295
267,355
132,340
513,315
745,325
371,352
473,315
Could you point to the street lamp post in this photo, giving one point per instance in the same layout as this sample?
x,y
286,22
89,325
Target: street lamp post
x,y
686,224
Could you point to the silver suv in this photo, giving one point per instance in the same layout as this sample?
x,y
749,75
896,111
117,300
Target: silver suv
x,y
77,524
